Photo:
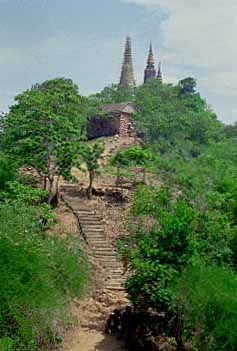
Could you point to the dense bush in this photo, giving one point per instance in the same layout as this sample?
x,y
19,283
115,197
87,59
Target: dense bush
x,y
207,296
7,171
170,230
175,117
39,274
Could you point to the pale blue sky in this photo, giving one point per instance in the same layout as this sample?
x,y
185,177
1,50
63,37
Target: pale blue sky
x,y
84,40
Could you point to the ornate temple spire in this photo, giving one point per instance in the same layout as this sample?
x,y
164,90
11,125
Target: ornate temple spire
x,y
150,71
127,74
159,73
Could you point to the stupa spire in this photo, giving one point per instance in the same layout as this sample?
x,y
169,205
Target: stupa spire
x,y
127,74
159,73
150,71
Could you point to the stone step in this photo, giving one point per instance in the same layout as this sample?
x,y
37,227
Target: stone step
x,y
95,237
106,254
93,233
116,281
101,245
92,224
115,277
84,217
114,287
90,221
115,271
96,241
85,211
103,251
89,228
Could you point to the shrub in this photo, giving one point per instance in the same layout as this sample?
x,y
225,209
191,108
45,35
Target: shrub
x,y
39,274
207,296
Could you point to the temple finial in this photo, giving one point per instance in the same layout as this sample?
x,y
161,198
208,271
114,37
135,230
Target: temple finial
x,y
159,73
127,74
150,71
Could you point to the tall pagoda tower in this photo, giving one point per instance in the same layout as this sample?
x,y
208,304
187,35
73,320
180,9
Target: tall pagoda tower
x,y
150,71
159,73
127,74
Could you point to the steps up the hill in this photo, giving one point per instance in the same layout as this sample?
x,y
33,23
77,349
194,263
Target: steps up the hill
x,y
92,229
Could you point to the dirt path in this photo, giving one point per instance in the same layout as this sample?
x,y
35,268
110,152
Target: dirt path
x,y
100,301
92,340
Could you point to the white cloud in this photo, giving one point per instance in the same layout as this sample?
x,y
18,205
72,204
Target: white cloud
x,y
201,35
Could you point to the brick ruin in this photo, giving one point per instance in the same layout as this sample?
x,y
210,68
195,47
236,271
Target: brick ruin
x,y
117,119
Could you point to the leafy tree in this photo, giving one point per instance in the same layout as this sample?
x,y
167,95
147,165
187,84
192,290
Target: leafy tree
x,y
187,86
7,171
43,129
90,155
231,130
133,156
160,247
113,94
172,122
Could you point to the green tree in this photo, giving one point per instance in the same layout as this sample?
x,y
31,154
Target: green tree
x,y
174,122
113,94
43,129
130,157
7,171
187,86
91,155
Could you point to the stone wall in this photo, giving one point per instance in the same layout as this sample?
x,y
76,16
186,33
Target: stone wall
x,y
124,125
103,126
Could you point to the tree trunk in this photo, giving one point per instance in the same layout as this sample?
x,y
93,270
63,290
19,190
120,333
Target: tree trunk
x,y
179,326
89,189
144,176
57,185
118,179
44,182
50,188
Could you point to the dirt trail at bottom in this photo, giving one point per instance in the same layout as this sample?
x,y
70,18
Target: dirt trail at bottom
x,y
93,340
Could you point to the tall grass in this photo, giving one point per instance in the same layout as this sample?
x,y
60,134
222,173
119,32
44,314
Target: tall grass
x,y
39,275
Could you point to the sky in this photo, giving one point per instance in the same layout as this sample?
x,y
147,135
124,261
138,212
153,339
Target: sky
x,y
84,41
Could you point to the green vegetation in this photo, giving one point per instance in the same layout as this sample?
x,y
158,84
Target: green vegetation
x,y
131,157
182,240
40,273
90,155
51,116
113,94
174,119
182,235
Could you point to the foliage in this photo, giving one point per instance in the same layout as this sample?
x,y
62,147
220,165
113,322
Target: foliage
x,y
50,116
175,117
7,171
90,155
161,246
113,94
40,273
130,157
187,86
207,297
231,130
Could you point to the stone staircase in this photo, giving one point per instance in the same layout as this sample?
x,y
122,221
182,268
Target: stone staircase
x,y
92,228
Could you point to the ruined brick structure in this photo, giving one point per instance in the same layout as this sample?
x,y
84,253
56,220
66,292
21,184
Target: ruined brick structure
x,y
118,116
124,112
116,121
